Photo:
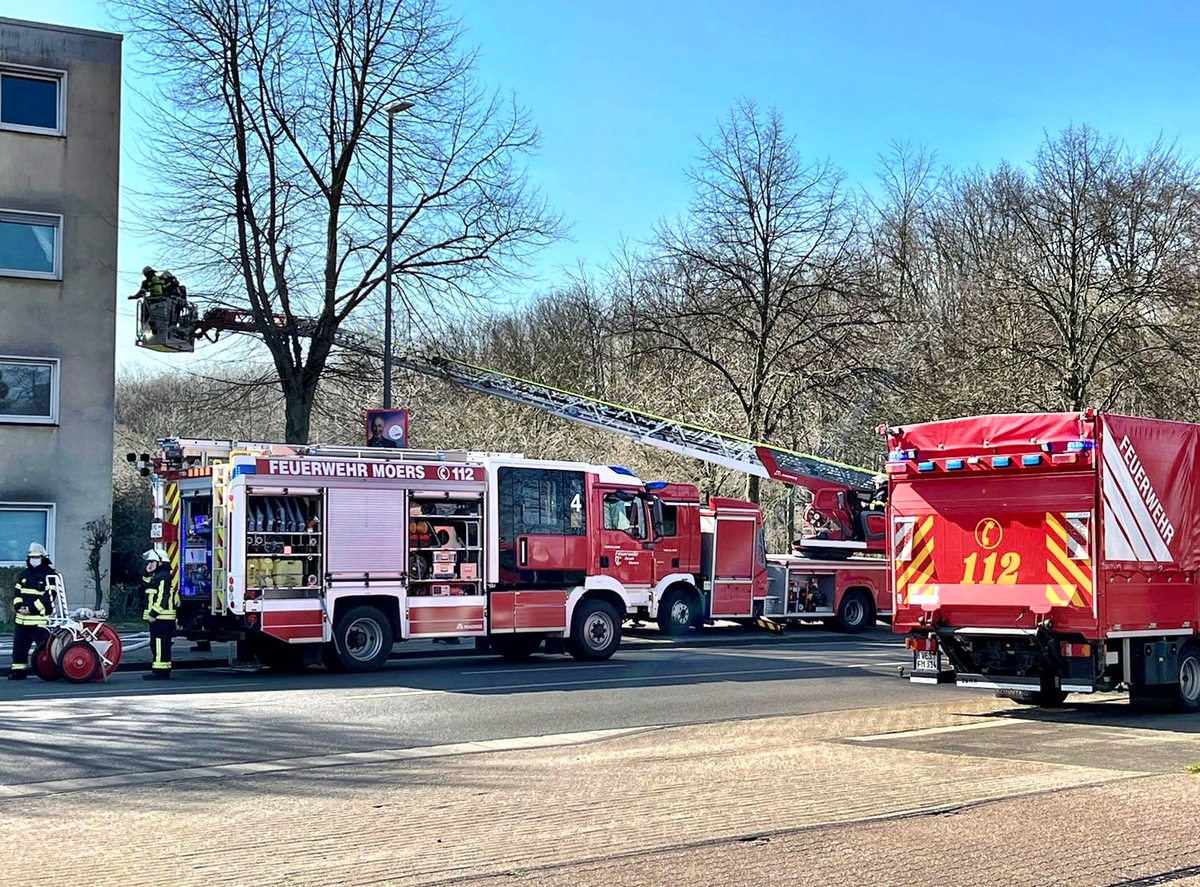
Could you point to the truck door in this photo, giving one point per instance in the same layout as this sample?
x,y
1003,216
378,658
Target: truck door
x,y
625,551
671,553
735,565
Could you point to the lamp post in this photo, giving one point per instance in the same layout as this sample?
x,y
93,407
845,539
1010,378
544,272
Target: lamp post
x,y
392,110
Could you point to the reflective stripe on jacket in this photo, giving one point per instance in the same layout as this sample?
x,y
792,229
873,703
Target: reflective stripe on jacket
x,y
30,591
161,600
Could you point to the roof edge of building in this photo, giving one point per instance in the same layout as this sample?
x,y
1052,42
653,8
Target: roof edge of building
x,y
66,29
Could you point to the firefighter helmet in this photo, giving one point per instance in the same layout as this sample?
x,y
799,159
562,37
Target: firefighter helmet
x,y
36,549
880,480
155,554
148,271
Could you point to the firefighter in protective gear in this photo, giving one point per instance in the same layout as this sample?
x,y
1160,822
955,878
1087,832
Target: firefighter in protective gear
x,y
161,603
165,303
879,494
31,604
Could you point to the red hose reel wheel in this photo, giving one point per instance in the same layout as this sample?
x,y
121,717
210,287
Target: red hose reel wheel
x,y
105,632
44,665
79,662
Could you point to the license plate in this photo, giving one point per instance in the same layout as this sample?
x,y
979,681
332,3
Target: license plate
x,y
926,660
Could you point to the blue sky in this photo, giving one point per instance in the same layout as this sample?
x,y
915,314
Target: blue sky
x,y
621,90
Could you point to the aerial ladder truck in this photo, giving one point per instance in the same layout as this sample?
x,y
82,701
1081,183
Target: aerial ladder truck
x,y
838,573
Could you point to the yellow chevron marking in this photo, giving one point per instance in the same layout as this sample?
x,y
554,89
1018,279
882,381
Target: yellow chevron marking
x,y
1082,579
1065,586
1053,596
918,563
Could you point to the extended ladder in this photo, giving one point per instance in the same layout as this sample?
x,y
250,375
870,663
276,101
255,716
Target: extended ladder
x,y
726,450
729,451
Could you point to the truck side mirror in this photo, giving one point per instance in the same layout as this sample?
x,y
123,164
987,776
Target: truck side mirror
x,y
656,518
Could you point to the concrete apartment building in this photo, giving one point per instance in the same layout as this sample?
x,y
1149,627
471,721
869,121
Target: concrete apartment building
x,y
60,115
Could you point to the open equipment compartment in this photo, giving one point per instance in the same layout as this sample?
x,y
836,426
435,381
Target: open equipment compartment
x,y
445,544
283,544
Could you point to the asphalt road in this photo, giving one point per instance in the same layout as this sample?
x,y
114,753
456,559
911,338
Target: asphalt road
x,y
222,716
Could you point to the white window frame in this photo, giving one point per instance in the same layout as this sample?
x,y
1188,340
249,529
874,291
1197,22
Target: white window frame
x,y
55,384
48,508
60,78
29,218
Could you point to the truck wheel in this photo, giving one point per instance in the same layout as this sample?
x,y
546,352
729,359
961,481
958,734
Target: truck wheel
x,y
677,612
362,639
855,612
516,647
1187,691
595,631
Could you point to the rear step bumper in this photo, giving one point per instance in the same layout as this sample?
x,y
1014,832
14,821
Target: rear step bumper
x,y
998,682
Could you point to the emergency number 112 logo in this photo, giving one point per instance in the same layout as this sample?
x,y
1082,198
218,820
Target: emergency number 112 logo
x,y
988,536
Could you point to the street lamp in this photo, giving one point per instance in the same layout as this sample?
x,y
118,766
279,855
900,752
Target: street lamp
x,y
392,110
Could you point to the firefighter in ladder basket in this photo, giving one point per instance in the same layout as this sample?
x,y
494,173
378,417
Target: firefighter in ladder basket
x,y
161,603
165,308
31,604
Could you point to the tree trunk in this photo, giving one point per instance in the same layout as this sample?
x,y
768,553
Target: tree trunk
x,y
753,487
299,394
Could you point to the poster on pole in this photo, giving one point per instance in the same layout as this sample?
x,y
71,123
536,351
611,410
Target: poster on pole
x,y
387,429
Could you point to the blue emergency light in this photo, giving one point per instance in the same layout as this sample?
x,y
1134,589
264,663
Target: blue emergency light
x,y
1032,459
954,464
926,466
1001,461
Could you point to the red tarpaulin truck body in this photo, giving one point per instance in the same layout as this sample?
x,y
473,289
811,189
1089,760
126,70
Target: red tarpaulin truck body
x,y
1041,554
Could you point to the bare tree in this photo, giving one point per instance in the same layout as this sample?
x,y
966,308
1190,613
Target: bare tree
x,y
1086,263
754,292
269,142
97,533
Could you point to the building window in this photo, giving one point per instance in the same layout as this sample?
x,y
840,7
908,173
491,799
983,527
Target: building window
x,y
22,523
29,390
31,100
30,245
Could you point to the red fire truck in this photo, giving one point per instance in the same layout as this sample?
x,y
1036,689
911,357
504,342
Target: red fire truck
x,y
844,584
1046,554
307,553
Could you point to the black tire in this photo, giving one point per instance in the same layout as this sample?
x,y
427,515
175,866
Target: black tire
x,y
595,631
515,647
678,611
856,612
1044,698
362,640
1185,695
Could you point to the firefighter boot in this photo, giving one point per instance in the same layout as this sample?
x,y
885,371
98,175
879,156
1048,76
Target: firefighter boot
x,y
158,674
17,674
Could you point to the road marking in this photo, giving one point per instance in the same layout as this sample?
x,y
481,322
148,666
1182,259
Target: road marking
x,y
314,762
932,731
